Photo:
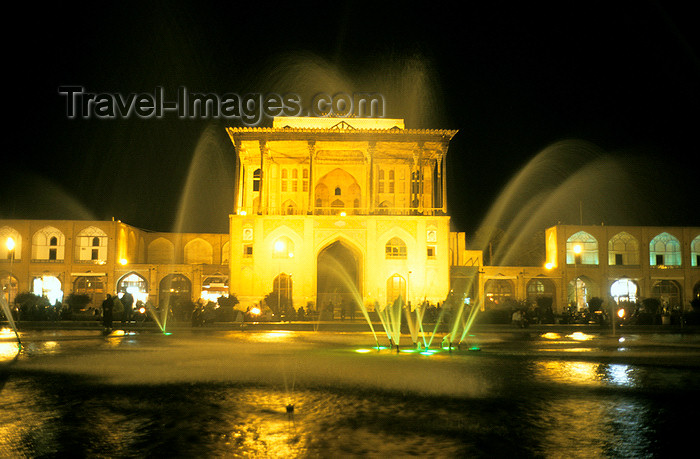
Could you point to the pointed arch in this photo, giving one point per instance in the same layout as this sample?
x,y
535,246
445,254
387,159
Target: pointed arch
x,y
91,245
48,244
395,248
623,249
161,251
695,252
198,251
582,249
664,249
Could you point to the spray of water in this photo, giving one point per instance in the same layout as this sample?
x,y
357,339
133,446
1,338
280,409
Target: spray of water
x,y
10,319
341,274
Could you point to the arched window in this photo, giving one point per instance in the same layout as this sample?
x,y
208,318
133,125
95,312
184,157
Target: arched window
x,y
395,249
337,191
91,245
395,287
284,180
695,252
295,178
48,244
257,175
582,249
664,250
289,207
623,250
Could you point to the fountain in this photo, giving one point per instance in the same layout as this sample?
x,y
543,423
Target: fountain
x,y
343,276
10,319
160,317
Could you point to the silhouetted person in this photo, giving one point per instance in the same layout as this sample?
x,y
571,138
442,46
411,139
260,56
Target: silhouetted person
x,y
128,302
107,312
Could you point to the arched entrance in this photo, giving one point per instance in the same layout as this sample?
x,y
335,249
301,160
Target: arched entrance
x,y
281,299
92,286
338,280
134,284
580,290
497,292
175,289
9,287
541,293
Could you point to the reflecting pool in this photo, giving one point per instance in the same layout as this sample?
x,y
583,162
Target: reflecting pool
x,y
205,393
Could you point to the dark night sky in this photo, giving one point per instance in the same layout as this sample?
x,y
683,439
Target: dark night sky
x,y
617,84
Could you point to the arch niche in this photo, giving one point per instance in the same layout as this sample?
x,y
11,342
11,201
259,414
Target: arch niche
x,y
337,190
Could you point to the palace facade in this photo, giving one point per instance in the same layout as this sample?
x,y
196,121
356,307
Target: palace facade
x,y
332,211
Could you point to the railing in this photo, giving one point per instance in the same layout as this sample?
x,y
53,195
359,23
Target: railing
x,y
400,211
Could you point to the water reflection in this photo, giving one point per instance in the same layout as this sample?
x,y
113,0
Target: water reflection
x,y
203,396
585,373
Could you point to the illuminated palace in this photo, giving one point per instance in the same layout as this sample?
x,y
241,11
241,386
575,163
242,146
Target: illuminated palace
x,y
331,210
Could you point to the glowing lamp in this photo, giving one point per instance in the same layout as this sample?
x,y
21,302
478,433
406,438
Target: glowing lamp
x,y
279,246
123,261
255,311
243,212
10,244
577,249
621,313
549,265
343,214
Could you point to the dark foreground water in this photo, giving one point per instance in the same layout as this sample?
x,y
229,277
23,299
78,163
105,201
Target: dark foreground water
x,y
225,394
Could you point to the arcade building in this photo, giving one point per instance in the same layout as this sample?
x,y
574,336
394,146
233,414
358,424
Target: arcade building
x,y
333,211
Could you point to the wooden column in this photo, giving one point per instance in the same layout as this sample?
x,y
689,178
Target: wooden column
x,y
263,177
240,179
444,177
310,210
371,150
